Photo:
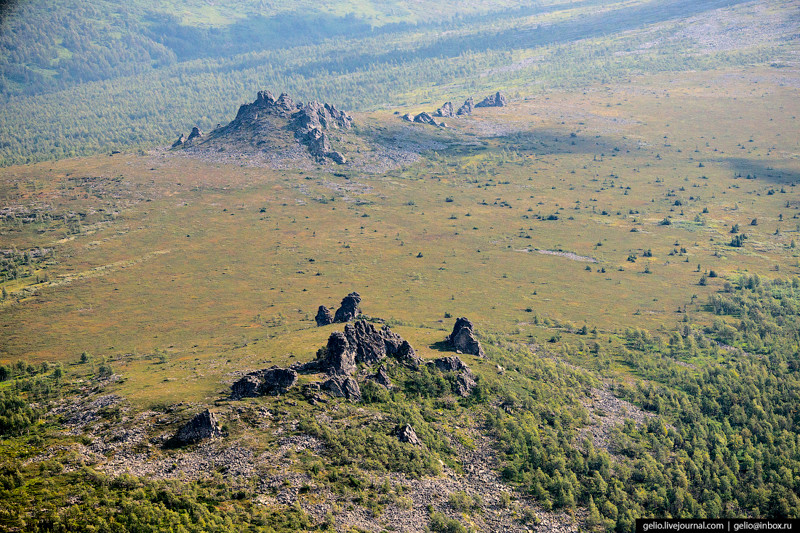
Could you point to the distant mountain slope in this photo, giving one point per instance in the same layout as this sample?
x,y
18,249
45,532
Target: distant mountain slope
x,y
81,78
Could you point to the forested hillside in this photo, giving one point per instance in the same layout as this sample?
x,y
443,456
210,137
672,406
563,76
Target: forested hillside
x,y
80,78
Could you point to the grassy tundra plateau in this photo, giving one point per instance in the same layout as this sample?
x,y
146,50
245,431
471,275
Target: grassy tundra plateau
x,y
622,235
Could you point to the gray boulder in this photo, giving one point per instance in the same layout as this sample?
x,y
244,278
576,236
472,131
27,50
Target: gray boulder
x,y
407,434
450,364
203,426
272,381
336,157
349,308
426,118
405,354
465,382
373,345
324,316
463,340
342,387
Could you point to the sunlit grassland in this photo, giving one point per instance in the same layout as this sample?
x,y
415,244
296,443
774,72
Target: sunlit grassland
x,y
207,269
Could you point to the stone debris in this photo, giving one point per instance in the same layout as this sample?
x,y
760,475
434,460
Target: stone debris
x,y
448,110
308,122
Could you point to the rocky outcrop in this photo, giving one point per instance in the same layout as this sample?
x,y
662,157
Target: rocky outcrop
x,y
493,100
465,379
467,107
309,123
180,141
203,426
426,118
368,342
360,342
196,133
450,364
272,381
463,340
188,141
348,309
321,116
324,316
342,387
338,357
407,434
446,110
405,354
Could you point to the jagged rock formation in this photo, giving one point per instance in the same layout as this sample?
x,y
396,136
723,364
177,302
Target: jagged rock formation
x,y
349,308
467,107
465,381
322,117
360,342
446,110
367,342
262,123
180,141
271,381
407,434
426,118
343,387
406,355
324,316
493,100
463,340
203,426
338,357
196,133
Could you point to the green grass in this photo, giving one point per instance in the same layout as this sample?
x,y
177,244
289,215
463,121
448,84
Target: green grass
x,y
191,265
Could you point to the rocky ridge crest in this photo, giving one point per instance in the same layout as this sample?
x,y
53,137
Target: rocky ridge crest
x,y
309,124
